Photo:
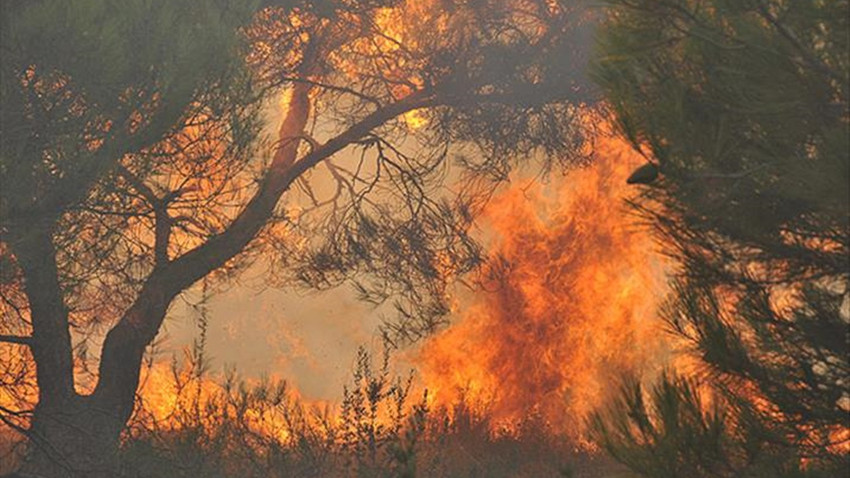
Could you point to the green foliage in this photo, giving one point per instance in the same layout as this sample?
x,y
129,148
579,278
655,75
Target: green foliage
x,y
374,414
670,432
85,82
745,128
744,108
106,47
683,428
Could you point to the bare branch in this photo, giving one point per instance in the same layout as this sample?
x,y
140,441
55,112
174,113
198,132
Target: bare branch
x,y
162,221
16,339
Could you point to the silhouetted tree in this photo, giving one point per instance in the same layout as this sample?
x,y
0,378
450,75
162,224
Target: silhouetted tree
x,y
743,107
134,164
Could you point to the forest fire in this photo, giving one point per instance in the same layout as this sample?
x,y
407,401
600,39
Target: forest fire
x,y
568,306
142,167
570,303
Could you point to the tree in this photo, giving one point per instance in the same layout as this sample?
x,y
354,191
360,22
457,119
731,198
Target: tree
x,y
134,164
743,109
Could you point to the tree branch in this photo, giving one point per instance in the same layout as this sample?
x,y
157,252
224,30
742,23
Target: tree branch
x,y
75,184
16,339
283,172
125,343
162,221
51,339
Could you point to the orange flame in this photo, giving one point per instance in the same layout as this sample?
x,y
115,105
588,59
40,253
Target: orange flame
x,y
175,398
570,305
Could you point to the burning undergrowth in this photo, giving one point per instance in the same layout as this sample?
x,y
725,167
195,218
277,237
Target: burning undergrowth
x,y
567,305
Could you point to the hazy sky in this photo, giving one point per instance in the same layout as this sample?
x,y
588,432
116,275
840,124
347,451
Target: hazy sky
x,y
308,339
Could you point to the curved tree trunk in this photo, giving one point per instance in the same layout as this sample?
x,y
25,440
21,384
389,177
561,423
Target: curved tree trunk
x,y
75,436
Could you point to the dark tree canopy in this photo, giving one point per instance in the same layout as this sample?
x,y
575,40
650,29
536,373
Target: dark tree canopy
x,y
744,108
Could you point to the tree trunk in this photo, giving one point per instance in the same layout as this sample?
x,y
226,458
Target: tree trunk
x,y
76,436
74,440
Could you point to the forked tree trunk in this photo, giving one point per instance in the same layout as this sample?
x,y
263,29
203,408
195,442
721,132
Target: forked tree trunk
x,y
74,440
76,436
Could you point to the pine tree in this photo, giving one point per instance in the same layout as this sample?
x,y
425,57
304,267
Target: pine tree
x,y
135,163
743,106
